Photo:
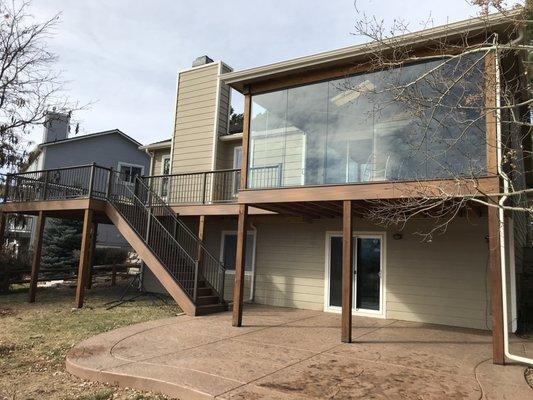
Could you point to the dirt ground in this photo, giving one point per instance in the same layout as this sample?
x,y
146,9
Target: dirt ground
x,y
35,338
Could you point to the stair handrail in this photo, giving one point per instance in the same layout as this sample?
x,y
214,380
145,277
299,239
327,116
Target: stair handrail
x,y
136,200
198,242
98,183
172,214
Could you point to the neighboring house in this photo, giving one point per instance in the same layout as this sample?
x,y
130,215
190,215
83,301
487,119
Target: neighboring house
x,y
113,149
280,204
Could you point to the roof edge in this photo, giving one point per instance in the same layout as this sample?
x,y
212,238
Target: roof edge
x,y
419,37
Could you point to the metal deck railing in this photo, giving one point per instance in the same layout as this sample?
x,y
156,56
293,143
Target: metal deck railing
x,y
178,249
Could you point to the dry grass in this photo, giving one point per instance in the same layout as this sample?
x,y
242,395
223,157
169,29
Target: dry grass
x,y
35,338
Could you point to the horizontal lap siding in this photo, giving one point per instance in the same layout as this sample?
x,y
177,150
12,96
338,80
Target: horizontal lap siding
x,y
442,282
290,265
157,167
224,158
195,120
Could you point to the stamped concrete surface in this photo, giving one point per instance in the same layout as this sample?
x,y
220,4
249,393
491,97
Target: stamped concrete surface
x,y
283,353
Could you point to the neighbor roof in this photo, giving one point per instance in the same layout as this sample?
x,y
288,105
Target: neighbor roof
x,y
163,144
91,135
239,79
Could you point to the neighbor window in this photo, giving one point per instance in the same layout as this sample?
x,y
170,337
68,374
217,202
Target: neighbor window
x,y
128,172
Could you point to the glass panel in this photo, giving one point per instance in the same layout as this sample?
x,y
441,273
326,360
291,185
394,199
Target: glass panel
x,y
135,171
166,165
237,160
305,135
125,173
230,251
267,138
368,277
335,272
378,126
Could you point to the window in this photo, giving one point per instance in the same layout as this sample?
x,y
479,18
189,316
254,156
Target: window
x,y
229,251
237,157
165,170
354,129
128,172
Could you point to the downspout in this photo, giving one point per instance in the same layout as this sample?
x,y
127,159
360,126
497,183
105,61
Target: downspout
x,y
501,216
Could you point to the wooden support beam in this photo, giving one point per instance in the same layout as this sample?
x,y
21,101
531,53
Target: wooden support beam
x,y
240,260
36,264
347,271
201,233
490,119
245,141
94,236
84,257
4,285
3,218
498,354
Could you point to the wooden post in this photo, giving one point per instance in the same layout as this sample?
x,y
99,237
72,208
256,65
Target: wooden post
x,y
94,234
4,285
201,232
3,219
84,257
240,260
113,275
490,118
498,354
245,139
347,271
242,224
41,219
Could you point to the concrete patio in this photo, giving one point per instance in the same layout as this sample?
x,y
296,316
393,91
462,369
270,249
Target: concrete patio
x,y
297,354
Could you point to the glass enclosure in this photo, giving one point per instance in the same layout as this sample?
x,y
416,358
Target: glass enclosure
x,y
420,121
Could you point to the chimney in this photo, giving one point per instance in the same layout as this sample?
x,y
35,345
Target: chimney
x,y
202,60
56,126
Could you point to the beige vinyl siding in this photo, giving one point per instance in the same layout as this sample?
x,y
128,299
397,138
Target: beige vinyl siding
x,y
157,163
440,282
195,119
226,151
222,159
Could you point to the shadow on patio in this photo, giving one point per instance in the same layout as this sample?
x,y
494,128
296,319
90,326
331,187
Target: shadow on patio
x,y
289,353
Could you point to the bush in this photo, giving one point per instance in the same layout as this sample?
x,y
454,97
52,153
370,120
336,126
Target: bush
x,y
10,262
110,256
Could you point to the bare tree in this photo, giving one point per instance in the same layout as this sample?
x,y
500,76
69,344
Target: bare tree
x,y
446,98
29,84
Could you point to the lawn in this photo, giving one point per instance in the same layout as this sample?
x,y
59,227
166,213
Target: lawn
x,y
35,338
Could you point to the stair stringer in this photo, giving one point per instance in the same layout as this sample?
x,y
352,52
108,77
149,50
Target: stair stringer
x,y
144,252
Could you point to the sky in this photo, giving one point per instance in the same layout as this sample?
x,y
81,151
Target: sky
x,y
121,57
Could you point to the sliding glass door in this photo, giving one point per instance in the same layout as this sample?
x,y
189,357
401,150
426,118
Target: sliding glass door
x,y
367,270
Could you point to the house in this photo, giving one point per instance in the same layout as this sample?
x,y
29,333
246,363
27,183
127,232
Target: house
x,y
113,149
278,214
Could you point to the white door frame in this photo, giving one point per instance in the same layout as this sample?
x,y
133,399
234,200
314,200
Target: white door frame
x,y
251,273
381,313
